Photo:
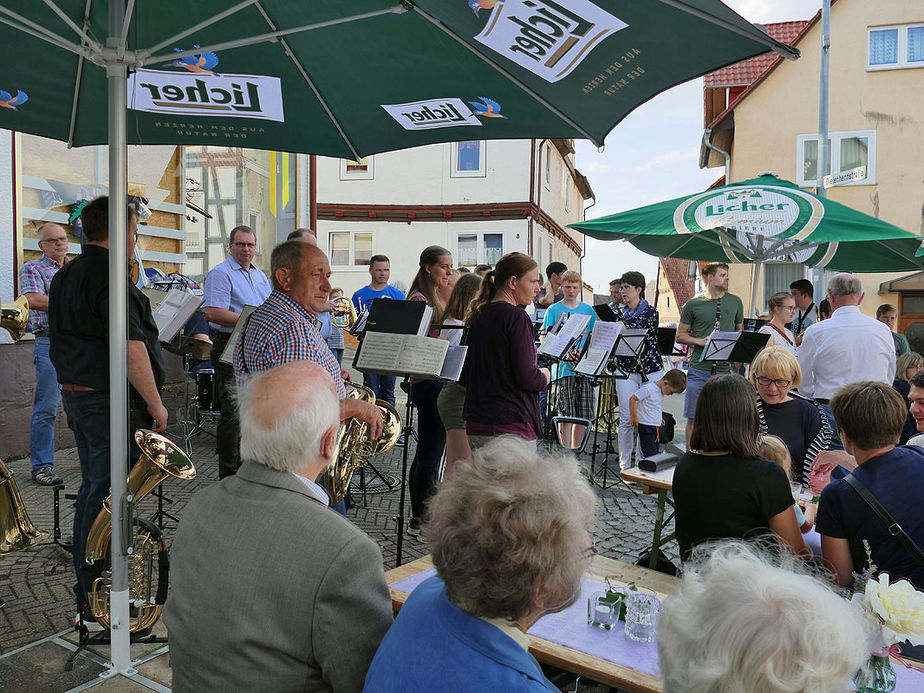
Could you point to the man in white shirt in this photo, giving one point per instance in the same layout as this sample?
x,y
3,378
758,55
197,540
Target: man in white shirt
x,y
848,348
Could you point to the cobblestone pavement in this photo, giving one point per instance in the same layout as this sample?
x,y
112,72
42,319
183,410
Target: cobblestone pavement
x,y
36,584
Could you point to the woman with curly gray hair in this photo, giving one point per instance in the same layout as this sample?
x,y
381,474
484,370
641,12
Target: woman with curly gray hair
x,y
743,619
510,539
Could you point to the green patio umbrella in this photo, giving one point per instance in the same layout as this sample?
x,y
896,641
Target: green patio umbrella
x,y
353,78
342,79
764,219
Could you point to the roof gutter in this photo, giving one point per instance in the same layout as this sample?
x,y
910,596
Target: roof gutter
x,y
704,159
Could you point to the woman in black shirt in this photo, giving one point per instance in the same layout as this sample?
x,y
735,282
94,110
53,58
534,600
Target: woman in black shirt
x,y
722,488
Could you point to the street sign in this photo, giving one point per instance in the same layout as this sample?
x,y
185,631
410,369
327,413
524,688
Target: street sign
x,y
858,173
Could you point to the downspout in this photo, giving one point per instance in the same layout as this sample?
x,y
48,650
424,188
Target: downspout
x,y
313,192
707,141
584,241
532,182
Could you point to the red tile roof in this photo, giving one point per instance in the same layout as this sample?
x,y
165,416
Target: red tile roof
x,y
743,73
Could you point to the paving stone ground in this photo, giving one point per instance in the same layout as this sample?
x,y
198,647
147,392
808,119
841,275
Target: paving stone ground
x,y
36,584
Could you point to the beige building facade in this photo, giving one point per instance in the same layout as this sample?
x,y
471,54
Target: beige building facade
x,y
876,120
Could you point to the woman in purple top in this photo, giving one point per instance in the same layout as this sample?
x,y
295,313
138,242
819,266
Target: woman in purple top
x,y
435,270
501,377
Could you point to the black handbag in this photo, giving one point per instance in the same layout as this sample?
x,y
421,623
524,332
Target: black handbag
x,y
666,429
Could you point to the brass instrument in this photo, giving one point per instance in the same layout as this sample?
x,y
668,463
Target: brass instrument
x,y
14,317
160,459
16,530
355,448
344,314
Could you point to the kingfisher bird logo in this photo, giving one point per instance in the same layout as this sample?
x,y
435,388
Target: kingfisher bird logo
x,y
543,36
198,90
487,108
7,100
202,63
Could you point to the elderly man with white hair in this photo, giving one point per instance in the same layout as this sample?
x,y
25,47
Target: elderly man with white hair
x,y
738,623
847,348
270,590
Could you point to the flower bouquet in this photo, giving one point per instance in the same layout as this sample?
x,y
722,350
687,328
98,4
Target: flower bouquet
x,y
895,613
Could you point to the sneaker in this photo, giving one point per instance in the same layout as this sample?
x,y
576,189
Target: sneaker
x,y
413,527
46,476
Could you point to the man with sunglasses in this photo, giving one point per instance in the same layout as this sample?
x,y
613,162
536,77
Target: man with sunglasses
x,y
229,287
34,282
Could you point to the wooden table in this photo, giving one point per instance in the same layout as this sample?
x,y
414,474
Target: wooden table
x,y
574,661
660,483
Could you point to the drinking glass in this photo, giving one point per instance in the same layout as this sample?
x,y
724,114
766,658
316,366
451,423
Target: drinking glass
x,y
642,609
603,610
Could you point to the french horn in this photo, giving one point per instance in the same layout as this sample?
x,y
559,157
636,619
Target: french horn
x,y
14,317
354,446
344,314
160,460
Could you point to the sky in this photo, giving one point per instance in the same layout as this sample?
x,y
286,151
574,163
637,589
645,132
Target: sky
x,y
653,155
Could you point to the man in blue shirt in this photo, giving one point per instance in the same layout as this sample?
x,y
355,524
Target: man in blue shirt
x,y
229,287
380,271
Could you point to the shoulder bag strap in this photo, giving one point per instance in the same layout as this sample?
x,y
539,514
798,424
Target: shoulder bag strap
x,y
894,528
781,333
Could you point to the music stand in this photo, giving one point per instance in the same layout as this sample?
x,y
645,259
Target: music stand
x,y
740,347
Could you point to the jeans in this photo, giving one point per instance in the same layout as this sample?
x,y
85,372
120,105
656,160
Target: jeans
x,y
228,430
382,385
431,439
88,417
44,408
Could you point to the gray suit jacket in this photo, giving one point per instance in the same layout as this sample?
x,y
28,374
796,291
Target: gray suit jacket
x,y
272,591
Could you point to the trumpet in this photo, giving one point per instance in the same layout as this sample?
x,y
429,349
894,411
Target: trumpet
x,y
14,317
344,314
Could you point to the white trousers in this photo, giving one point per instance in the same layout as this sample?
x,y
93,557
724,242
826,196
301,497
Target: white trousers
x,y
624,391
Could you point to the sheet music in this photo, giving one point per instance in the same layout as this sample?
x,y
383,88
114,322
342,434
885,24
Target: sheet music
x,y
604,335
385,352
227,356
593,361
569,334
176,308
423,355
719,346
452,365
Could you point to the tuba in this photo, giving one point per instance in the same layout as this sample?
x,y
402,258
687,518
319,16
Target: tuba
x,y
14,317
344,314
355,448
160,459
16,530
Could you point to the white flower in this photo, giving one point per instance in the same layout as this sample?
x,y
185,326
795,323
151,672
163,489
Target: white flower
x,y
899,606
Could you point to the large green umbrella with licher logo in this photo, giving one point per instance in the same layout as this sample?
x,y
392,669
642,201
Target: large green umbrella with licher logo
x,y
342,79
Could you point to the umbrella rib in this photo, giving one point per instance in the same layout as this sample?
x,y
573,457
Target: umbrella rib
x,y
40,32
126,23
73,124
912,260
712,19
146,58
201,25
439,25
311,85
82,33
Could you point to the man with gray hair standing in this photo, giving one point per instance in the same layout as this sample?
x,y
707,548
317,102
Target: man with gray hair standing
x,y
269,589
846,349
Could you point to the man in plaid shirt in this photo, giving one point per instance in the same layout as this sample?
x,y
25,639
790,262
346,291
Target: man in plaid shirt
x,y
34,280
284,327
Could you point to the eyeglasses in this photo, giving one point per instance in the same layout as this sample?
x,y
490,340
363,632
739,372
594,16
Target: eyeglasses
x,y
240,244
779,382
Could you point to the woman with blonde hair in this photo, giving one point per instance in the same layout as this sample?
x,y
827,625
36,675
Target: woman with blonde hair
x,y
797,420
782,306
905,369
435,270
501,377
451,401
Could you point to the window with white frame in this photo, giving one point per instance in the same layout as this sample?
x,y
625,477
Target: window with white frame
x,y
848,150
477,248
363,169
895,47
350,248
468,159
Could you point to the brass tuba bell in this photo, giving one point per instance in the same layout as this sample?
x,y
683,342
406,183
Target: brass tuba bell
x,y
14,317
16,530
344,314
160,459
355,448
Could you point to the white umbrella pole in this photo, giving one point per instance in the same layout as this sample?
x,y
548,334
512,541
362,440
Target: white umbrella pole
x,y
118,349
755,283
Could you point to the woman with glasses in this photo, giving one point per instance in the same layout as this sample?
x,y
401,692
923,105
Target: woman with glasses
x,y
723,488
635,313
782,307
797,420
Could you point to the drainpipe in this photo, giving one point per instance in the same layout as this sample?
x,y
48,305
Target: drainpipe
x,y
707,140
